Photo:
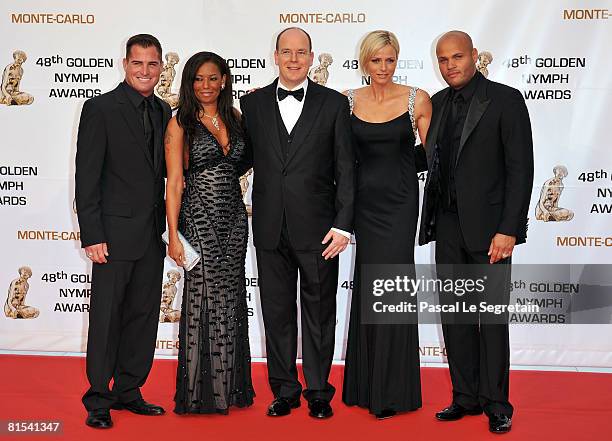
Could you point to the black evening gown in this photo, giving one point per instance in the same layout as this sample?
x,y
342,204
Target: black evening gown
x,y
382,361
214,369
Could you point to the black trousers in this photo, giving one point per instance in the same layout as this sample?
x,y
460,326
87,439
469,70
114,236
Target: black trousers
x,y
478,353
278,273
123,318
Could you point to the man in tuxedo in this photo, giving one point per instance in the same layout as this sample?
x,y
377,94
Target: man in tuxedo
x,y
300,139
120,205
477,195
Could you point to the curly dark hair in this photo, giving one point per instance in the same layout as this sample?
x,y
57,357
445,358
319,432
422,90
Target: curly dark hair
x,y
189,107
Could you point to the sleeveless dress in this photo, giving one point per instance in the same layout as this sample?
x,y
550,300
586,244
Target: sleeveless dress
x,y
382,370
214,370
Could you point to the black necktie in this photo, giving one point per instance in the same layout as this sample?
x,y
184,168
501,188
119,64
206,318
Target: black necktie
x,y
148,126
297,94
457,108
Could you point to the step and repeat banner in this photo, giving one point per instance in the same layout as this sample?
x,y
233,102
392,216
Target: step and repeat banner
x,y
56,54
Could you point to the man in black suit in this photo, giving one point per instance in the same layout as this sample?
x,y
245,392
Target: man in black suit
x,y
120,205
300,138
477,195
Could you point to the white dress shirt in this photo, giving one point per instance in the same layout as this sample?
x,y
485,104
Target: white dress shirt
x,y
291,109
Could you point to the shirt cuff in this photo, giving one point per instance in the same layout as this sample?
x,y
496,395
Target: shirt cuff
x,y
344,233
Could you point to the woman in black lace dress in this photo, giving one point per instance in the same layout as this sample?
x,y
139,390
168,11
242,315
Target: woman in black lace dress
x,y
205,157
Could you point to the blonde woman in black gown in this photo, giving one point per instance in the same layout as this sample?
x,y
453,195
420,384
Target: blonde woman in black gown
x,y
382,371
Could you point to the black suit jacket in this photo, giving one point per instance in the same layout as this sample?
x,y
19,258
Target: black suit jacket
x,y
314,186
493,170
119,187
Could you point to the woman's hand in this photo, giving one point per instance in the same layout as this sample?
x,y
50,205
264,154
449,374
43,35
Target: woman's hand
x,y
176,251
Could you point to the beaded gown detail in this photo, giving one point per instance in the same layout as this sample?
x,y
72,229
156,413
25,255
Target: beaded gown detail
x,y
214,370
382,369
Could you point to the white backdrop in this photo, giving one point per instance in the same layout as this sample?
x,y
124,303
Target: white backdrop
x,y
556,55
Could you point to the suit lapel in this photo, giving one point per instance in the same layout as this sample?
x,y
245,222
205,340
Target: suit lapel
x,y
478,106
267,113
312,103
133,121
159,154
434,128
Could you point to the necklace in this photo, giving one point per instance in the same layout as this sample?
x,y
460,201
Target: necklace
x,y
214,120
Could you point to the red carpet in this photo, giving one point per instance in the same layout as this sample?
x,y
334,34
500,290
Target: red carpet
x,y
548,406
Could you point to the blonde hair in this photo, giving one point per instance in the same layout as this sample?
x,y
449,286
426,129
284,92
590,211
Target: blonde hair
x,y
372,43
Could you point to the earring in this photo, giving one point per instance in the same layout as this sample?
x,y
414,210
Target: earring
x,y
222,86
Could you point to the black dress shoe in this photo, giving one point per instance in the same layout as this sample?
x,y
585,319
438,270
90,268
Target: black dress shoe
x,y
282,406
456,412
320,409
99,419
384,414
140,407
499,423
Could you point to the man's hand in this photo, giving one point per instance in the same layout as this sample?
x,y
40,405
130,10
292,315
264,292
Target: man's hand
x,y
97,253
337,245
501,247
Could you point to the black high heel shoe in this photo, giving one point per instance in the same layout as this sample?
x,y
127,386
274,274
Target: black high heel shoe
x,y
385,414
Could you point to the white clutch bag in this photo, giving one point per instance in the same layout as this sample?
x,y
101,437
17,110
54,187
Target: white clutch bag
x,y
192,257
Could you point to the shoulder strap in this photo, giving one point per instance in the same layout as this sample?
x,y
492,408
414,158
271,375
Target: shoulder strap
x,y
351,98
411,100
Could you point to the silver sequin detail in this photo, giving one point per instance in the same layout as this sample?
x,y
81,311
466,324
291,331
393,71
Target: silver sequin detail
x,y
411,100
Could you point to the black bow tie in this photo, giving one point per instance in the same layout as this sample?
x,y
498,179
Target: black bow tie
x,y
297,94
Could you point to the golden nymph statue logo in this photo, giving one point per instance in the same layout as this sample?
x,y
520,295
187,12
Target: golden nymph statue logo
x,y
244,187
484,59
167,313
164,87
15,306
320,74
548,209
11,80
